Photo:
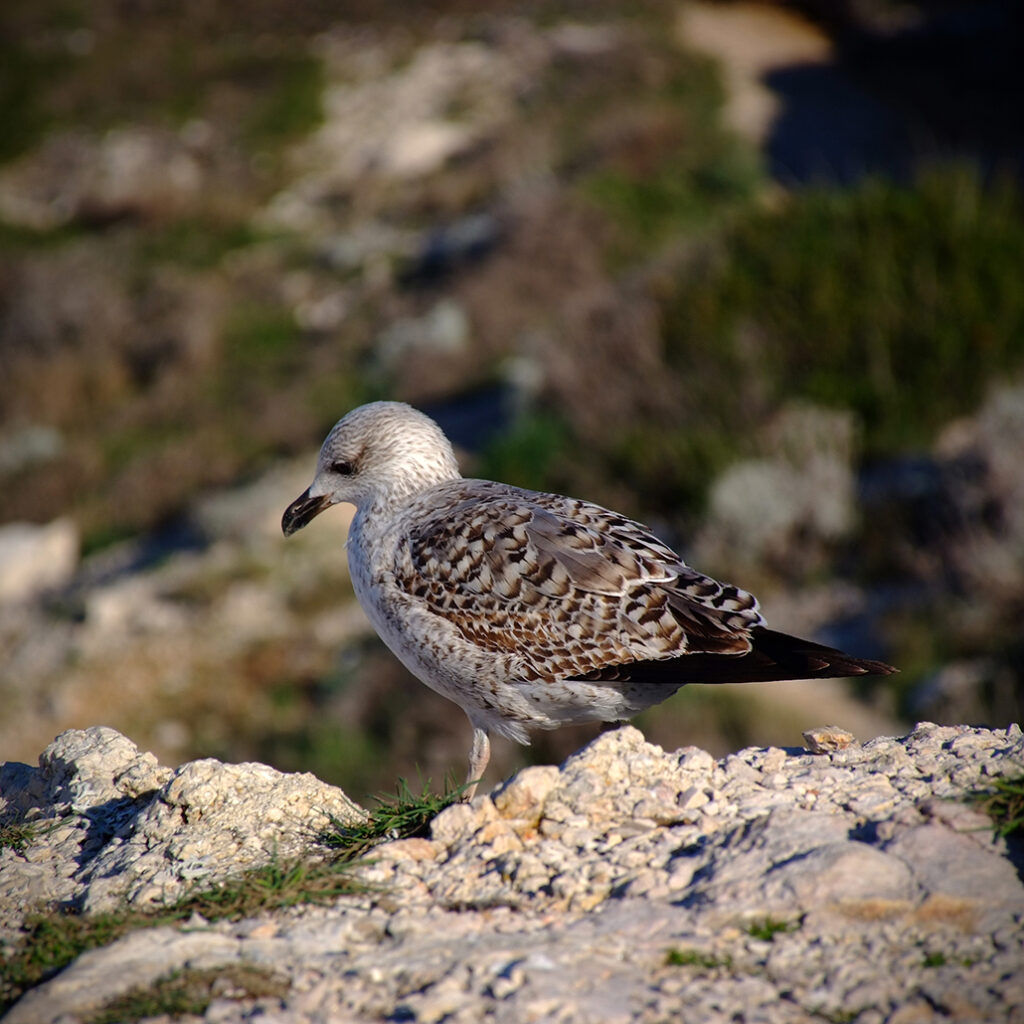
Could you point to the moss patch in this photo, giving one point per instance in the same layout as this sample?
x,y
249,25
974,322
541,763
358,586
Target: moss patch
x,y
191,992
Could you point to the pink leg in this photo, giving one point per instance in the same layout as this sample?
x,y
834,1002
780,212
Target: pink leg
x,y
479,755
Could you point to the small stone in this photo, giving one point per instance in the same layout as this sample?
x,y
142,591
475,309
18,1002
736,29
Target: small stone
x,y
499,836
484,808
652,813
737,770
415,849
510,980
693,759
523,796
693,798
827,739
262,930
455,822
681,874
582,902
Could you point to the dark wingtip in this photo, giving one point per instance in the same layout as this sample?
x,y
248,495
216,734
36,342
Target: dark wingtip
x,y
772,656
875,668
811,659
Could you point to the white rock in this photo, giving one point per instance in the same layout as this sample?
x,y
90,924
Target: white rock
x,y
34,559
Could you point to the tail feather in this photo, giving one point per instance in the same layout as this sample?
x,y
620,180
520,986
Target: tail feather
x,y
772,656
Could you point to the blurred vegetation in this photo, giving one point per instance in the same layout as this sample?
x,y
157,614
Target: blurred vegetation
x,y
534,452
195,243
682,168
98,65
873,298
190,991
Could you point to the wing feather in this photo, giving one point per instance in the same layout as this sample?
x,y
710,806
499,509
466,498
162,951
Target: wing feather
x,y
571,588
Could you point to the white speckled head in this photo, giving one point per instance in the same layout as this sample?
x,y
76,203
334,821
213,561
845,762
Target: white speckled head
x,y
379,454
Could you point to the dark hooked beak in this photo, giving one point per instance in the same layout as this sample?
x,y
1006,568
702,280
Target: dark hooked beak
x,y
302,511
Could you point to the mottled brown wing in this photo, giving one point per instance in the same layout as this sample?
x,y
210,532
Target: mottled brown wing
x,y
567,587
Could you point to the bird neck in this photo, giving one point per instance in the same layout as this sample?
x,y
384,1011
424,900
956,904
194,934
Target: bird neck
x,y
386,504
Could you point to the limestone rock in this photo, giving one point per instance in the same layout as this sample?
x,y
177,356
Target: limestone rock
x,y
628,884
127,829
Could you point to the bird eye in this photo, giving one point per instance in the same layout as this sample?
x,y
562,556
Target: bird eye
x,y
342,468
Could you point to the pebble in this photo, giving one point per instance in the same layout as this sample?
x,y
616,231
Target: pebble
x,y
828,739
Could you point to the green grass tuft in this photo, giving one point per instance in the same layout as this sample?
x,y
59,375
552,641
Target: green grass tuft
x,y
51,940
271,887
17,837
767,928
669,167
696,958
25,70
403,816
679,195
1003,802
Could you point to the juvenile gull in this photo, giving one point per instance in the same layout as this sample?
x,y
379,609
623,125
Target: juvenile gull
x,y
531,610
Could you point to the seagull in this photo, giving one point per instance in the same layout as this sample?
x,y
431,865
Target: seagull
x,y
531,610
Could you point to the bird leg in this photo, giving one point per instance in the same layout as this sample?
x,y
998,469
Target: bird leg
x,y
479,755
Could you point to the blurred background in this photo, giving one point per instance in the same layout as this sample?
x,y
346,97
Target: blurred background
x,y
752,273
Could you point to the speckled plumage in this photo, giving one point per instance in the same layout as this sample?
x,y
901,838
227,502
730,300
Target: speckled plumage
x,y
530,610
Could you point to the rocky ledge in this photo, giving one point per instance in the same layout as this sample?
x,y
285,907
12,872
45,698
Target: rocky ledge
x,y
630,884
